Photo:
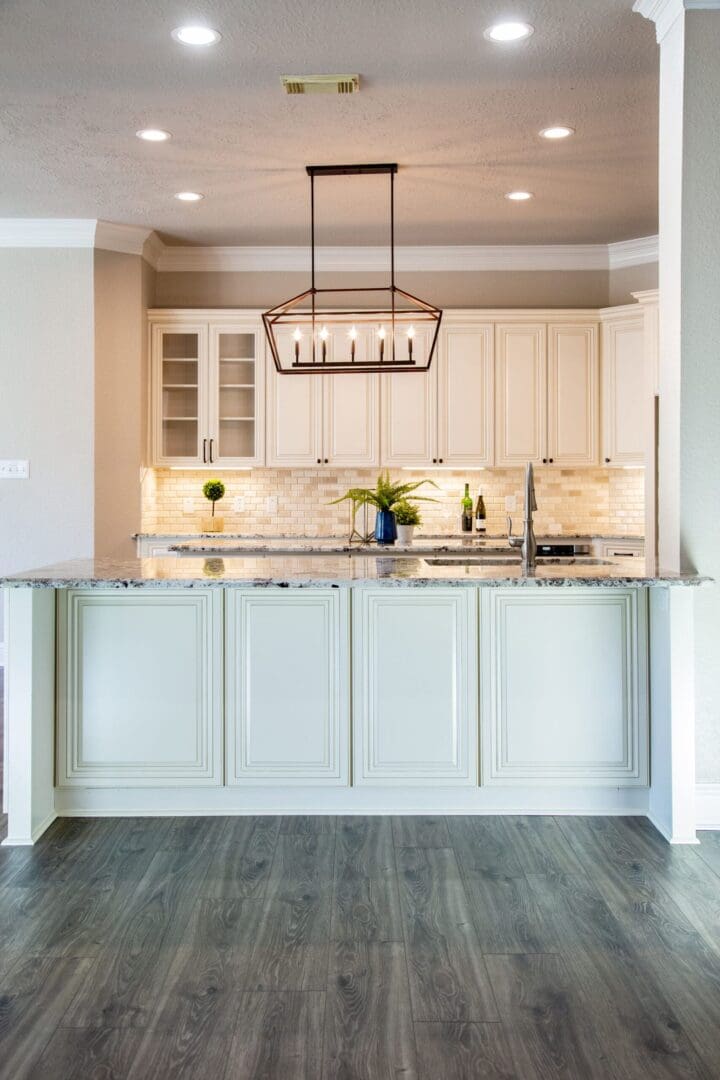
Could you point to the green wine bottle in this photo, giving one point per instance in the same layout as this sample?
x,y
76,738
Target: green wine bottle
x,y
467,510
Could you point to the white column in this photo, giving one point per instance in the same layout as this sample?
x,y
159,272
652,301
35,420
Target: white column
x,y
648,299
30,713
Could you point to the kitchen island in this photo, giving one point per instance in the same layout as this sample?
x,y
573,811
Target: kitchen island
x,y
349,683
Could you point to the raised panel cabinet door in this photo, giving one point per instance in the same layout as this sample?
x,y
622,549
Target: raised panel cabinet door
x,y
415,687
573,393
140,676
408,404
465,395
294,417
520,393
624,393
287,687
351,411
179,393
564,681
236,395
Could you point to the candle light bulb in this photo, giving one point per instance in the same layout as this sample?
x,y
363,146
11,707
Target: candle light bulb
x,y
324,334
297,335
323,340
381,336
410,336
353,334
381,333
411,332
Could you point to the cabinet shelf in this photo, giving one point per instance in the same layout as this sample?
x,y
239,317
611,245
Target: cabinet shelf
x,y
237,359
248,419
180,359
180,386
175,419
237,386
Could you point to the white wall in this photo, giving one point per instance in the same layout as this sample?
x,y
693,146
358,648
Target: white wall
x,y
46,405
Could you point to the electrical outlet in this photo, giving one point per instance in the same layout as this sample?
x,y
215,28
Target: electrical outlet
x,y
271,504
188,506
14,470
510,504
238,504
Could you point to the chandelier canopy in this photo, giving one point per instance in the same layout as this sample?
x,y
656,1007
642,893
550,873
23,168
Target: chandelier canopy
x,y
331,330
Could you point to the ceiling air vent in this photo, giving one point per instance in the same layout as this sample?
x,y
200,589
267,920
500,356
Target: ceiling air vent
x,y
321,84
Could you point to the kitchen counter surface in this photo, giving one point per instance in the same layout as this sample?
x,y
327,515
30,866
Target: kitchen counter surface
x,y
257,540
336,570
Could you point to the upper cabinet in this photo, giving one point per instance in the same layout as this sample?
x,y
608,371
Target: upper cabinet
x,y
546,393
444,416
624,411
207,395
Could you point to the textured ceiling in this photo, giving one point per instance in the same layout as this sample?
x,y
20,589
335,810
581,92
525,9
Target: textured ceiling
x,y
460,115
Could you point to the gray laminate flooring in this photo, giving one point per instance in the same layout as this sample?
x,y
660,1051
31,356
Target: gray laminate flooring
x,y
302,948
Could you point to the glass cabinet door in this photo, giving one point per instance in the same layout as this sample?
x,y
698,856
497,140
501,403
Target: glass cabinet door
x,y
236,389
180,369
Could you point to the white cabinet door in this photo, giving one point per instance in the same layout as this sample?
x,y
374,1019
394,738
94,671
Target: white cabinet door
x,y
415,687
294,419
287,687
573,393
564,678
520,394
624,395
409,418
465,395
140,677
351,412
236,431
179,393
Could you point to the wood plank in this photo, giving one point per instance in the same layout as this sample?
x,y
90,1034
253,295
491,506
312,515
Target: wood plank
x,y
420,831
366,905
458,1051
540,845
308,824
68,845
72,1053
34,997
506,916
709,850
448,979
277,1035
550,1031
241,863
368,1021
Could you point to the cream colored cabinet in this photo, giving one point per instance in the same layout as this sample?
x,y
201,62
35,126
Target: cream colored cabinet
x,y
293,728
445,416
415,687
564,687
323,420
207,392
624,390
140,677
546,393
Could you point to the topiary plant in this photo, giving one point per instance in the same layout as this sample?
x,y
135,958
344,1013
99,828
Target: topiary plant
x,y
213,490
406,513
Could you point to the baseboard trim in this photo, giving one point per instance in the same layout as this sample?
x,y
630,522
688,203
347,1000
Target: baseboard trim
x,y
707,806
666,833
28,841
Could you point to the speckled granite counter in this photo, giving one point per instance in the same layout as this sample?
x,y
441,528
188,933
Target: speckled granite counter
x,y
335,571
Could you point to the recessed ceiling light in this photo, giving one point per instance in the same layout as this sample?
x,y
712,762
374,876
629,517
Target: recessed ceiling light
x,y
519,196
196,35
153,135
558,131
509,31
189,196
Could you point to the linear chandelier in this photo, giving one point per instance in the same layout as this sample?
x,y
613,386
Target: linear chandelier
x,y
317,333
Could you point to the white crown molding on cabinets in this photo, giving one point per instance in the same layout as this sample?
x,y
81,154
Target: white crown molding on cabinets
x,y
633,252
664,12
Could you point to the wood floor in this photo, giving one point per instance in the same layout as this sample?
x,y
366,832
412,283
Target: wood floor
x,y
313,948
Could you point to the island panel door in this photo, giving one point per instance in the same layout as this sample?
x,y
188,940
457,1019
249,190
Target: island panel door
x,y
415,687
287,687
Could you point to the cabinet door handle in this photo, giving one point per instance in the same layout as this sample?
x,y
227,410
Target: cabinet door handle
x,y
551,460
440,461
607,460
544,461
434,461
326,460
204,451
211,457
319,461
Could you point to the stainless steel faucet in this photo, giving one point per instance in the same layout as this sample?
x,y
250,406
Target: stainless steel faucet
x,y
526,542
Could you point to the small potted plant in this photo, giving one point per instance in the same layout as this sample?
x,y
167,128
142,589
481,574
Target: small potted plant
x,y
407,516
213,490
385,498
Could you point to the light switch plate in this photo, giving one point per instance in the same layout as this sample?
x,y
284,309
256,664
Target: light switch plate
x,y
188,506
238,504
14,470
510,504
271,504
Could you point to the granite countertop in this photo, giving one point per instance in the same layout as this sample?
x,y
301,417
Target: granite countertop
x,y
261,539
335,571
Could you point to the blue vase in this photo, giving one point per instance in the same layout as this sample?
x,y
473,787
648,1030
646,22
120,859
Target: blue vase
x,y
385,528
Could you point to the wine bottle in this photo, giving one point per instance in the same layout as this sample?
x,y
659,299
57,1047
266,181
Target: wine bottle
x,y
480,515
467,510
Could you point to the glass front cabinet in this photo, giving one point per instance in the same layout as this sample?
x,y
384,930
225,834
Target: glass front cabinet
x,y
207,392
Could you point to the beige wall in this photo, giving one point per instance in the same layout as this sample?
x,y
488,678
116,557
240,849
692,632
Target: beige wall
x,y
623,283
123,292
46,405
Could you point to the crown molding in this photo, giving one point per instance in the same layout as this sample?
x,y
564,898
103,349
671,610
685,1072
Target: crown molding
x,y
47,232
125,239
152,249
633,252
408,259
664,12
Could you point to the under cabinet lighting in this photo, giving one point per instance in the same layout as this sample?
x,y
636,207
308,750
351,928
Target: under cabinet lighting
x,y
189,196
558,131
196,35
507,32
519,196
153,135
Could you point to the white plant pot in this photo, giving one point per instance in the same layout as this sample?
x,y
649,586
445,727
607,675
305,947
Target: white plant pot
x,y
405,534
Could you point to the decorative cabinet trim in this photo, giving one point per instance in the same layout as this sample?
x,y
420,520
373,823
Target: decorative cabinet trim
x,y
478,396
369,768
74,766
615,419
499,767
507,454
331,767
560,410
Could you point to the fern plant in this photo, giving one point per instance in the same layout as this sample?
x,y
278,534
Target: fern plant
x,y
386,495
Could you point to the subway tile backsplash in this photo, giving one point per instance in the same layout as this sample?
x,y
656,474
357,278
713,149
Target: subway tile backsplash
x,y
608,502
